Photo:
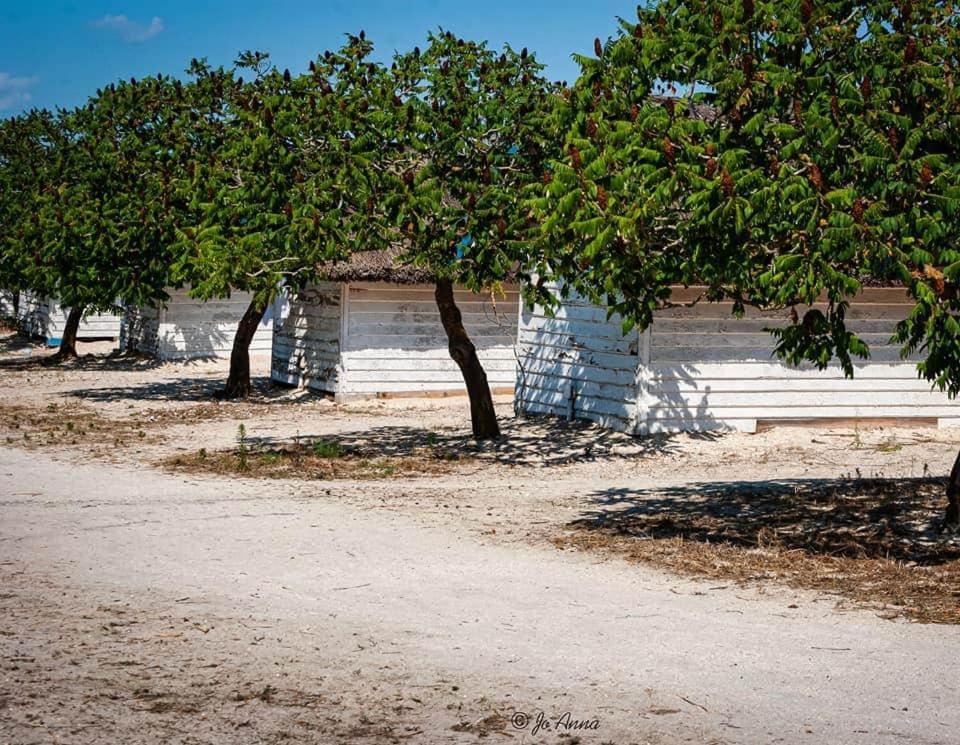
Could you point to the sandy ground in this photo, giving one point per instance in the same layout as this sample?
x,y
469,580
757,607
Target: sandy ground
x,y
144,606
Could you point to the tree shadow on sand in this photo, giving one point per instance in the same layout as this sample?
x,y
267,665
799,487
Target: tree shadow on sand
x,y
888,518
528,441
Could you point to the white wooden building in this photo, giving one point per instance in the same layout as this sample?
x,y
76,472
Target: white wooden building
x,y
699,368
46,318
185,328
374,329
6,304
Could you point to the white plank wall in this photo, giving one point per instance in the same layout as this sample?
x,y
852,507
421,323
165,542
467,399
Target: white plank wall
x,y
709,370
138,332
186,328
393,341
6,303
577,362
306,345
370,338
699,368
43,316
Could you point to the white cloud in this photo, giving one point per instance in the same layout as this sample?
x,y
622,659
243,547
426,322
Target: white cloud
x,y
130,31
15,92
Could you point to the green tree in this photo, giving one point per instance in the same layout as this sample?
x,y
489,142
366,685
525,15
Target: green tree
x,y
90,221
277,180
21,157
469,140
779,154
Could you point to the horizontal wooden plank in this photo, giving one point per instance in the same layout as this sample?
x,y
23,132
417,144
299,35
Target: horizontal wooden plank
x,y
583,388
621,420
694,355
611,402
620,345
708,341
717,400
418,363
759,326
659,411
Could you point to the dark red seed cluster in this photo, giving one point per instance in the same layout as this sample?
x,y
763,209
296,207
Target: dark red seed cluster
x,y
726,183
816,177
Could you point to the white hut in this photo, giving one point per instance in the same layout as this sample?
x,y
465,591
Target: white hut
x,y
46,318
7,304
699,368
186,329
373,329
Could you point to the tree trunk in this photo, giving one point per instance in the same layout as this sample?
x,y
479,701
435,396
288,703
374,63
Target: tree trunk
x,y
463,352
68,343
951,522
238,382
16,305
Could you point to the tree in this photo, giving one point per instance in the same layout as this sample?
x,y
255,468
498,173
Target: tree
x,y
469,140
90,222
276,181
779,154
20,160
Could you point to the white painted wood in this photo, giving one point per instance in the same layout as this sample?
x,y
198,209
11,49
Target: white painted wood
x,y
363,339
394,342
306,347
707,370
578,348
185,328
46,318
6,303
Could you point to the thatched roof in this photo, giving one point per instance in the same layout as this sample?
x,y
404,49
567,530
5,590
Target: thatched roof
x,y
377,266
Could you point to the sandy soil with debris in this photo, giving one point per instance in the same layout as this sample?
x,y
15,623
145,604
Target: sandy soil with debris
x,y
141,605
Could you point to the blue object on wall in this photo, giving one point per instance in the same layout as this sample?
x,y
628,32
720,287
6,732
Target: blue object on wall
x,y
54,341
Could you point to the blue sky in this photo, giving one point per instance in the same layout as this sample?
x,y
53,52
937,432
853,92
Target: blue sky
x,y
56,53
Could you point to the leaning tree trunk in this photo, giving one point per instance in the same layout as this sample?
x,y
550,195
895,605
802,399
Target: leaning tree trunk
x,y
951,522
68,342
482,413
238,382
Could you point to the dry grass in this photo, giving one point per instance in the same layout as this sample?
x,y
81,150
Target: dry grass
x,y
62,425
322,459
872,543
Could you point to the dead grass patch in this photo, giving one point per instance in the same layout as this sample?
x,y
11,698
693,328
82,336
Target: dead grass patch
x,y
872,543
60,425
320,459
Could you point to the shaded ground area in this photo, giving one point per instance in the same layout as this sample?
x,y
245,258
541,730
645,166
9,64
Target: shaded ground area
x,y
871,541
320,459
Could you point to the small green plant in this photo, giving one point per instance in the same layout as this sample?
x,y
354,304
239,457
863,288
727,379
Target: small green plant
x,y
202,454
327,449
69,426
270,458
141,434
242,464
432,439
890,445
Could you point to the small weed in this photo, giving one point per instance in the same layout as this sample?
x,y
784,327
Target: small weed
x,y
242,464
202,454
141,434
327,449
69,426
890,445
432,439
270,458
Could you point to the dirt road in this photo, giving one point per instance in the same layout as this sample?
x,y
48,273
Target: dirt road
x,y
144,607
